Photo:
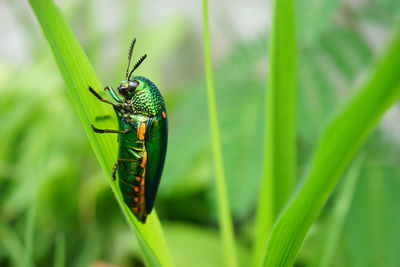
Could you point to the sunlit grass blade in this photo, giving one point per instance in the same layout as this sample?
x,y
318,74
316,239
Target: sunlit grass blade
x,y
78,74
339,142
337,218
279,168
225,219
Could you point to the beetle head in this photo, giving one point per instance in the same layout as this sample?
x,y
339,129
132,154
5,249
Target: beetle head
x,y
127,89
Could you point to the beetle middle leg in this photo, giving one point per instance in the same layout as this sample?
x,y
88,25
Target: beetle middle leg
x,y
115,168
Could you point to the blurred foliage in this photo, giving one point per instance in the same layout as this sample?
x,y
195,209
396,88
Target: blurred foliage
x,y
55,204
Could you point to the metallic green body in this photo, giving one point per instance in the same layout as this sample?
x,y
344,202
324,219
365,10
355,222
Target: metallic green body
x,y
147,107
143,130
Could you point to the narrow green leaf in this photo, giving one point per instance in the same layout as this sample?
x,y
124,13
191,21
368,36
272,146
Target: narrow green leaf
x,y
338,144
78,74
279,169
224,215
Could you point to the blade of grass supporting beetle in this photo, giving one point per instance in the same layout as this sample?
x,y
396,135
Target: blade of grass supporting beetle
x,y
78,74
279,169
336,147
225,219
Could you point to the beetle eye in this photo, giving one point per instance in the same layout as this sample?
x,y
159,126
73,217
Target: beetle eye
x,y
122,89
132,85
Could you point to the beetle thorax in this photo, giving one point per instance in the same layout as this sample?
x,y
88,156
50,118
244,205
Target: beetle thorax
x,y
147,102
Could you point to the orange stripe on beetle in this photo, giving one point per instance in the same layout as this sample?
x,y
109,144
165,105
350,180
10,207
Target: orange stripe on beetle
x,y
141,131
163,114
144,161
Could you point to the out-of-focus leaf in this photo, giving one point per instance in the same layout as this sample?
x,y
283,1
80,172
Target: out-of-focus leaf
x,y
371,233
323,79
380,12
314,16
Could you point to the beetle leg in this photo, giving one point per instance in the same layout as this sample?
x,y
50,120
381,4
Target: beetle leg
x,y
141,156
115,168
103,99
136,152
112,93
96,130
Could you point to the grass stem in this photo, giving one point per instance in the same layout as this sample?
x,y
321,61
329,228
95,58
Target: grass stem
x,y
279,168
225,219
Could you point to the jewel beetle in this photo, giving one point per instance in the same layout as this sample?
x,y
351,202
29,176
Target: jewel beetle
x,y
143,133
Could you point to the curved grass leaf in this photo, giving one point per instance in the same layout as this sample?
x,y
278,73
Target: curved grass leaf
x,y
78,74
338,144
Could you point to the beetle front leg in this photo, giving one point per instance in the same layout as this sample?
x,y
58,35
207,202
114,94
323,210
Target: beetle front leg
x,y
112,93
96,130
103,99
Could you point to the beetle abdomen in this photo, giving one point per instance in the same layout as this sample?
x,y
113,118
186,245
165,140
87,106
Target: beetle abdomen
x,y
132,173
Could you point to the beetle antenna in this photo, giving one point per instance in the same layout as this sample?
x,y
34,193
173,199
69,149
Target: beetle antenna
x,y
130,55
137,65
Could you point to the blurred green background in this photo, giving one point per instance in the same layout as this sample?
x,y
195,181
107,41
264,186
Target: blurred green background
x,y
56,206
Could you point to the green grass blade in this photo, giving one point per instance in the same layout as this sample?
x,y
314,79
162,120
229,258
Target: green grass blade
x,y
279,170
78,74
339,142
225,219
